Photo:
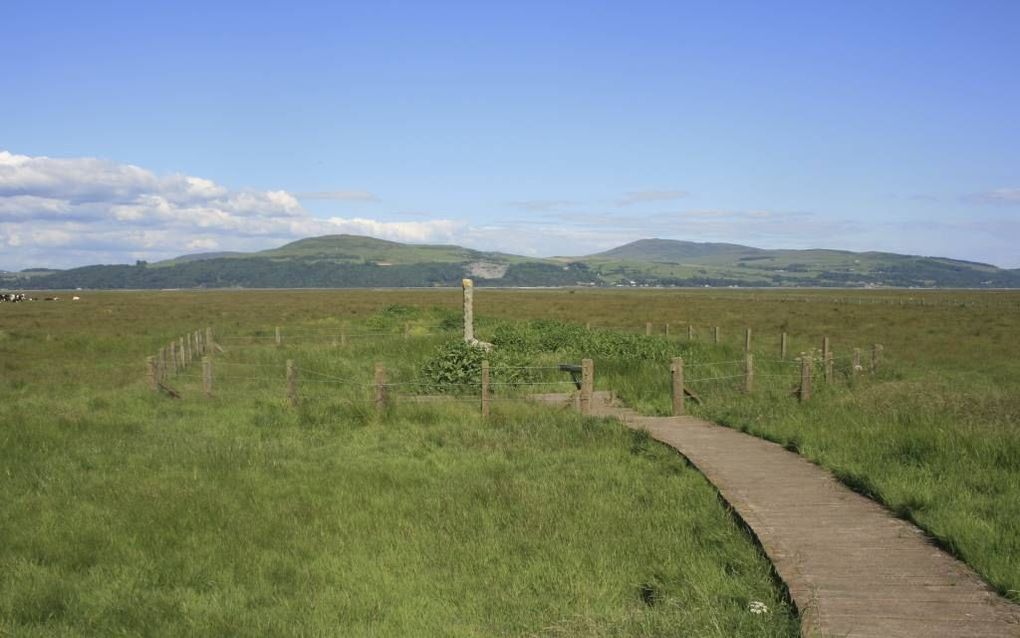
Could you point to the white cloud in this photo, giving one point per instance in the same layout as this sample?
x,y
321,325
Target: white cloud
x,y
341,196
203,244
542,205
71,211
1000,196
650,196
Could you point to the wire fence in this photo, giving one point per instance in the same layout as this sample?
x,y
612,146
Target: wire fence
x,y
233,364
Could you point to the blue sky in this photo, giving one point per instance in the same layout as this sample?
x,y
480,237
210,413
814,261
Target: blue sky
x,y
141,131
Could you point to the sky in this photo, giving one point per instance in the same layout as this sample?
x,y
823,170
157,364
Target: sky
x,y
145,130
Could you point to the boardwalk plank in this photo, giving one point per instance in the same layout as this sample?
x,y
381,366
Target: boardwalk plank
x,y
853,569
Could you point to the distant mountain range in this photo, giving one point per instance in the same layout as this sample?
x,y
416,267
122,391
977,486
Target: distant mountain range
x,y
351,261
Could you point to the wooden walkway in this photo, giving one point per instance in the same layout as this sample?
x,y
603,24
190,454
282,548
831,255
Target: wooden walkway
x,y
852,568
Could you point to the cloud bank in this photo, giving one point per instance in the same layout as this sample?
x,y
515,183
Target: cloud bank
x,y
1000,196
65,212
70,211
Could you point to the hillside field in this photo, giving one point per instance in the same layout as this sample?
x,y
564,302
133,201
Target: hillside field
x,y
128,512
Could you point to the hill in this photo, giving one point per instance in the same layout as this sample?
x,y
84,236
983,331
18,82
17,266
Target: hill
x,y
670,262
351,261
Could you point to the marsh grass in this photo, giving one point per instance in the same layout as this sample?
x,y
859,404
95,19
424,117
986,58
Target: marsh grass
x,y
126,512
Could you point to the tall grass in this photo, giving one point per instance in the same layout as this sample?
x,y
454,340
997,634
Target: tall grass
x,y
126,512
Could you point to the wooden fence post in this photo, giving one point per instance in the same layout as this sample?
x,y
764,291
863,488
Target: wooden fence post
x,y
716,334
173,358
805,378
343,338
207,375
587,385
677,370
279,337
648,328
161,364
748,373
198,341
667,329
208,339
469,309
180,353
292,390
855,370
690,332
150,369
485,389
380,387
827,360
876,357
747,340
782,347
587,325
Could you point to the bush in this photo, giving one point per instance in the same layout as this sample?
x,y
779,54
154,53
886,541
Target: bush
x,y
456,367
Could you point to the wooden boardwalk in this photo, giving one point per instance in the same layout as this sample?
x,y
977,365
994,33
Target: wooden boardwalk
x,y
852,568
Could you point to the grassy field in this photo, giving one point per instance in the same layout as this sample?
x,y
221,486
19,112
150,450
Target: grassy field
x,y
126,512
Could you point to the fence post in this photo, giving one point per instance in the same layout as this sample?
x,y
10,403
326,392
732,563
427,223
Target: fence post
x,y
180,353
292,391
279,337
208,339
716,333
667,329
856,362
380,387
827,360
161,364
469,309
690,332
587,385
805,378
198,340
173,357
648,328
677,370
747,340
748,373
876,357
587,325
782,347
343,338
485,389
150,369
207,375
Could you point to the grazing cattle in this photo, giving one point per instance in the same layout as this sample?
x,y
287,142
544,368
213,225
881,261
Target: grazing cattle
x,y
12,297
75,298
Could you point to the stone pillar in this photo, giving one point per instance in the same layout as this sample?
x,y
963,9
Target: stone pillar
x,y
469,313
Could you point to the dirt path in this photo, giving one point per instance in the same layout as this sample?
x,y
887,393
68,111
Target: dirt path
x,y
853,569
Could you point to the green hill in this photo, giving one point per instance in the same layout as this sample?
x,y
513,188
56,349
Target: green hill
x,y
670,262
355,261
